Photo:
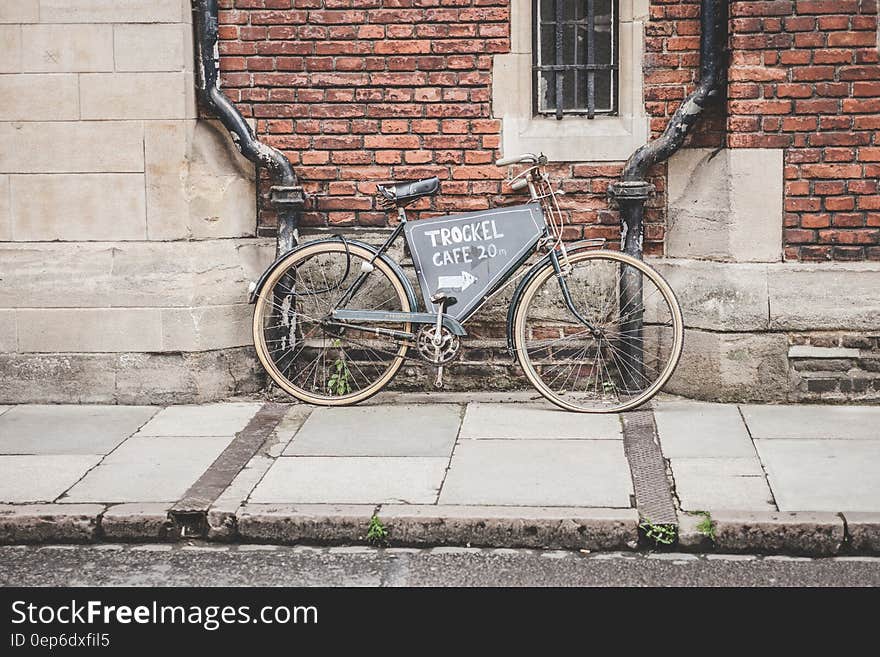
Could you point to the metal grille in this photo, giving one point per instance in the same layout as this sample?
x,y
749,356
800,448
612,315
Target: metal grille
x,y
653,492
575,57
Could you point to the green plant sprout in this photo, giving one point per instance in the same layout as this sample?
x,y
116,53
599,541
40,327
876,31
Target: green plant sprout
x,y
662,534
376,532
706,526
339,383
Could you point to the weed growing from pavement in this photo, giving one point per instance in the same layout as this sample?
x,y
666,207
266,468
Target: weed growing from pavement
x,y
706,526
659,534
377,533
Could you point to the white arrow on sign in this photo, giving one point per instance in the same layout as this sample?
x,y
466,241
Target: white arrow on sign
x,y
461,282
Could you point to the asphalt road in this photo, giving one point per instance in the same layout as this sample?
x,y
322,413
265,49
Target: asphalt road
x,y
242,565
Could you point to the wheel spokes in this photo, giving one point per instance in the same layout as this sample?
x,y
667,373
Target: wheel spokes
x,y
311,354
626,357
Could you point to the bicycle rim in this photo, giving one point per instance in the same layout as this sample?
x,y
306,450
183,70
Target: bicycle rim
x,y
311,358
589,371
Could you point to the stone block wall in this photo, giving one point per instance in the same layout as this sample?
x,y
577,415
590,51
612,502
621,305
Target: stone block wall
x,y
126,225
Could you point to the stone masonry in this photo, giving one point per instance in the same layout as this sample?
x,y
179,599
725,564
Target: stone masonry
x,y
126,225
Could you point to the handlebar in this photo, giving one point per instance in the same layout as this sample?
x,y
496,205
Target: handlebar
x,y
519,184
516,159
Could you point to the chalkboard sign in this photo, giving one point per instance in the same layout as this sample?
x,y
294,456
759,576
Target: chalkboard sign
x,y
466,255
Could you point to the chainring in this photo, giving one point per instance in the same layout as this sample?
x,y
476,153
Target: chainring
x,y
450,344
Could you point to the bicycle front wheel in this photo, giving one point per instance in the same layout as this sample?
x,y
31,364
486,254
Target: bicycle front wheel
x,y
307,353
617,351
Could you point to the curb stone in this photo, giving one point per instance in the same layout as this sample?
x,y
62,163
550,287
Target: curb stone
x,y
814,534
690,538
288,523
222,524
522,527
44,523
864,532
139,522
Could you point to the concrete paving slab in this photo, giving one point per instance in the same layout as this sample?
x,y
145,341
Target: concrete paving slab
x,y
823,475
535,422
732,483
386,398
225,419
41,478
694,429
3,409
806,421
424,430
87,429
538,473
290,424
351,480
221,515
149,469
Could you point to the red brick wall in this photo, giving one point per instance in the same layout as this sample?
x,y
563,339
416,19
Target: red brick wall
x,y
360,91
805,77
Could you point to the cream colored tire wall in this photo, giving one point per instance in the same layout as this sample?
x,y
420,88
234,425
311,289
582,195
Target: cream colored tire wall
x,y
541,278
259,337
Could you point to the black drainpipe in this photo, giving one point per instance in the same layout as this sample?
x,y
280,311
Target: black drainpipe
x,y
286,194
633,188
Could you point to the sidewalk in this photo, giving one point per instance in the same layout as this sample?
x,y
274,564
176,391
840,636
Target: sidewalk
x,y
503,470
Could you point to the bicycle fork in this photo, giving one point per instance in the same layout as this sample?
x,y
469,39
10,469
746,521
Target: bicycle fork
x,y
566,295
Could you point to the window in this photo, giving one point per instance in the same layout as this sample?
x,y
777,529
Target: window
x,y
575,52
524,81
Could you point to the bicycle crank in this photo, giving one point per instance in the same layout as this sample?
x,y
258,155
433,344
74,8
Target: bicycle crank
x,y
437,348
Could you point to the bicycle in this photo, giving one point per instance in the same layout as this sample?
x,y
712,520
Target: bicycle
x,y
594,330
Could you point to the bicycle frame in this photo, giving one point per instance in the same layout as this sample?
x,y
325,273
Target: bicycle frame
x,y
527,246
548,235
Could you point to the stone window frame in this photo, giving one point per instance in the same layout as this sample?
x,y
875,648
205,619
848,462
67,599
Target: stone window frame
x,y
600,139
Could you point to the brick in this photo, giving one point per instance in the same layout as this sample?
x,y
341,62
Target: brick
x,y
852,39
827,6
832,170
760,107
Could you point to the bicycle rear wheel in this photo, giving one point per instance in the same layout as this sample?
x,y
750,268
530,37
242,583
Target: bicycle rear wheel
x,y
598,370
308,355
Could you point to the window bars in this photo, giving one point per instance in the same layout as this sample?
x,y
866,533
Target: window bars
x,y
575,57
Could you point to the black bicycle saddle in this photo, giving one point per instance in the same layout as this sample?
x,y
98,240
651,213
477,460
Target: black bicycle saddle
x,y
404,193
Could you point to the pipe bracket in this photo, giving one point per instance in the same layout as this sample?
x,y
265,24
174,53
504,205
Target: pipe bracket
x,y
631,190
287,197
